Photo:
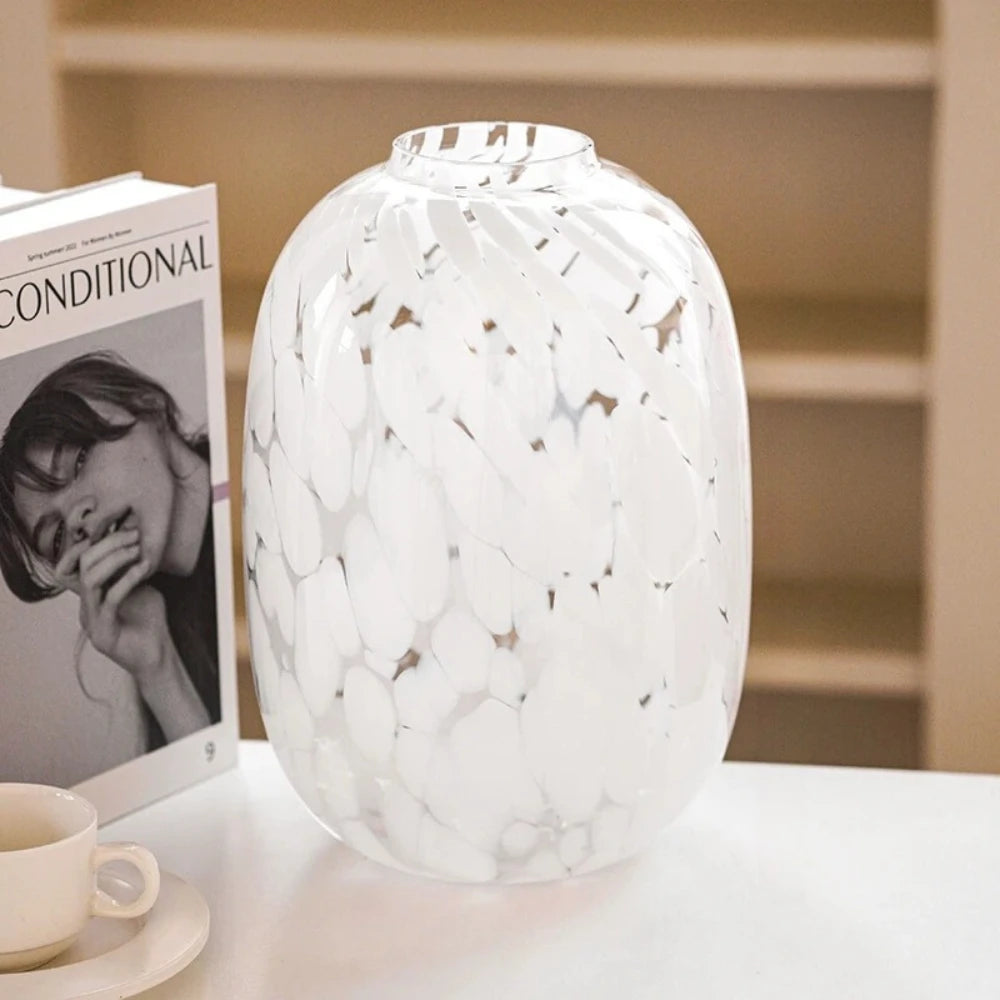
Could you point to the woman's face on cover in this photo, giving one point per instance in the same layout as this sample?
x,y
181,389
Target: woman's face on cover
x,y
109,486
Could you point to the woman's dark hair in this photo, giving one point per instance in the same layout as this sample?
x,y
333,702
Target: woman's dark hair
x,y
58,412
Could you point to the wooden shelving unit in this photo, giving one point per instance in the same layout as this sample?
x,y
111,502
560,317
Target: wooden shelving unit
x,y
806,140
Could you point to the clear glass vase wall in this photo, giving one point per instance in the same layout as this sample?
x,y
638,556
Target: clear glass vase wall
x,y
496,507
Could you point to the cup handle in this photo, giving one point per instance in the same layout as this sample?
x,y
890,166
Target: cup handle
x,y
103,905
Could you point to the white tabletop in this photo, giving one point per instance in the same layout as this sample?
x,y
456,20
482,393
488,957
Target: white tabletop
x,y
777,882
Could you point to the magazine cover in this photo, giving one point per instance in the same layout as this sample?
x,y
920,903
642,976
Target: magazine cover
x,y
117,662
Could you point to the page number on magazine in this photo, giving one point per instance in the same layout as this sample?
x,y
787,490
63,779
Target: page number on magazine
x,y
210,751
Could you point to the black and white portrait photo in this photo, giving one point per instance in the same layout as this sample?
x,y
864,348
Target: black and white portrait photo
x,y
108,599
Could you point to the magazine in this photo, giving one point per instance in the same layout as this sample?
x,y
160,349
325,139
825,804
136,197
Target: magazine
x,y
117,663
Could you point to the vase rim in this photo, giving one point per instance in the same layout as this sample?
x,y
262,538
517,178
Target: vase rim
x,y
492,154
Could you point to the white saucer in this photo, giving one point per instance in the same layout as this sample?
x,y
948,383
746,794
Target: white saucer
x,y
120,958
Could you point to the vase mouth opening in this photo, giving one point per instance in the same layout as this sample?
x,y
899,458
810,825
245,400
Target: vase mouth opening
x,y
492,155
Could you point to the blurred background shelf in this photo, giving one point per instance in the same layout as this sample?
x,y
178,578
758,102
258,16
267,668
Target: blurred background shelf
x,y
836,638
713,43
833,349
240,302
838,156
776,20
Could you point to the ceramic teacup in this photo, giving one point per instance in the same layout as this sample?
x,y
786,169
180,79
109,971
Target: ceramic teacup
x,y
49,859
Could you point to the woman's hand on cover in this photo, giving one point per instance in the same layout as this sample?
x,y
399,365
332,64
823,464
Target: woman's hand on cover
x,y
124,618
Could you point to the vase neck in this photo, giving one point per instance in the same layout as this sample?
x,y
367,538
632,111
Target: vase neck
x,y
493,157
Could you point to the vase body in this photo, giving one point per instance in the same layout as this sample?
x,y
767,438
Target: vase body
x,y
496,507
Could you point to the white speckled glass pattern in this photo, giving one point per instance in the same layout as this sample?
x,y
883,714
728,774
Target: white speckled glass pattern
x,y
497,507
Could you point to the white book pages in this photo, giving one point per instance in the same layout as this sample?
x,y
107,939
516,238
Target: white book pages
x,y
11,197
17,199
88,201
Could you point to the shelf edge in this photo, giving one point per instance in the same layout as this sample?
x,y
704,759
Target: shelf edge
x,y
677,62
894,378
879,673
236,349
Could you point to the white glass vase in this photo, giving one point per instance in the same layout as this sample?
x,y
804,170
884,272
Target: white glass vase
x,y
496,507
